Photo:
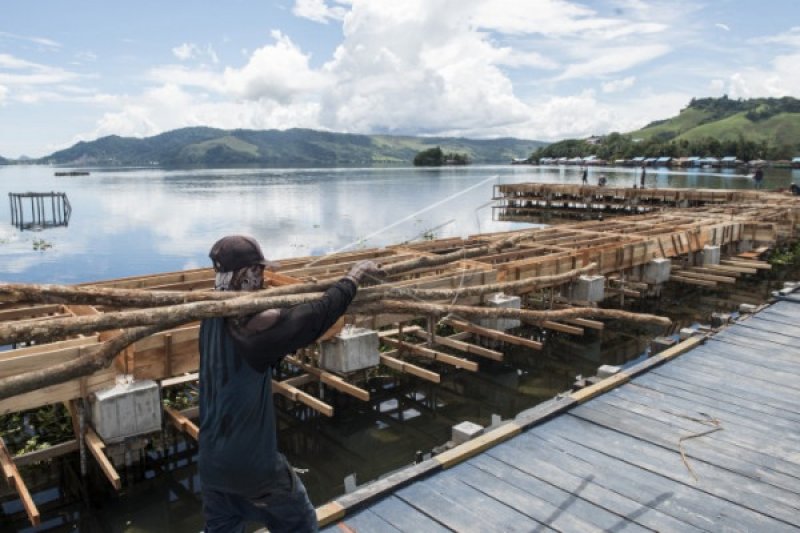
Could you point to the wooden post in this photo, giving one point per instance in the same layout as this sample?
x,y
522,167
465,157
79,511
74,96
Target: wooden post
x,y
96,446
14,480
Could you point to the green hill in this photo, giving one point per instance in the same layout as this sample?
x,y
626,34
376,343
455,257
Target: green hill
x,y
759,128
770,122
294,147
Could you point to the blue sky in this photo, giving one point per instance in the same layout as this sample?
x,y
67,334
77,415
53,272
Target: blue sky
x,y
536,69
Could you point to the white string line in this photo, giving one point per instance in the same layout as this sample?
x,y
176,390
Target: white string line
x,y
405,219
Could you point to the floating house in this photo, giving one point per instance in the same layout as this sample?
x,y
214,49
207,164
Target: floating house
x,y
663,161
796,162
729,161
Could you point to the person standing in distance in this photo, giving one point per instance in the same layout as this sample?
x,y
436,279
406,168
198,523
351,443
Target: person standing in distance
x,y
244,478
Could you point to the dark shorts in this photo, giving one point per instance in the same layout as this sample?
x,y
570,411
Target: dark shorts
x,y
285,507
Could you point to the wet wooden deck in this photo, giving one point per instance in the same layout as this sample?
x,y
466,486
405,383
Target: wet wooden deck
x,y
708,441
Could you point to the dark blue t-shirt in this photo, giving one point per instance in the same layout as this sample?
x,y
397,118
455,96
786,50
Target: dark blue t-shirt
x,y
238,444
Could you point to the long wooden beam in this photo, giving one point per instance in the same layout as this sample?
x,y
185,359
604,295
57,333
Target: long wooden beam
x,y
409,368
460,345
432,354
330,379
493,334
296,395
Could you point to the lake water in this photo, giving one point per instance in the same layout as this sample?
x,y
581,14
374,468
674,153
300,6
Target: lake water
x,y
140,221
130,222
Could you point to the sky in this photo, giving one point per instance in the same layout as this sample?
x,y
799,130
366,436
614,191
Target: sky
x,y
532,69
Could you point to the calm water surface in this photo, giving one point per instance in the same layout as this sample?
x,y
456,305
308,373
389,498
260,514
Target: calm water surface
x,y
131,222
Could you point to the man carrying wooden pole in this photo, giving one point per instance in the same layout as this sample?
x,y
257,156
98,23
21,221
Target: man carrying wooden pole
x,y
244,477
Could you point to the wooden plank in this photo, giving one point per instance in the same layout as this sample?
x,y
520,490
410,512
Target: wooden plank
x,y
330,512
406,518
760,265
758,497
296,395
409,368
475,446
733,447
586,323
45,454
499,512
96,446
432,354
180,421
563,328
538,499
680,501
493,334
461,345
446,508
14,479
600,387
180,380
703,276
692,281
365,520
330,379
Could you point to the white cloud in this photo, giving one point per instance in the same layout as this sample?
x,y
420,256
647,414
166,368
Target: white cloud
x,y
618,85
790,38
37,40
185,51
420,67
19,72
722,26
614,59
188,51
278,72
3,93
319,10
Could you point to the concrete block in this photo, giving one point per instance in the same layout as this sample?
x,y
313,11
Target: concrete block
x,y
659,344
747,308
605,371
786,291
127,409
465,431
352,349
711,255
685,333
791,285
500,300
587,289
719,319
656,271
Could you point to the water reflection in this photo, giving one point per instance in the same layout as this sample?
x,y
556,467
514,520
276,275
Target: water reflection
x,y
138,221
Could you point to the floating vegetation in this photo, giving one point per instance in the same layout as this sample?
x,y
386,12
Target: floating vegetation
x,y
786,256
40,245
180,398
36,429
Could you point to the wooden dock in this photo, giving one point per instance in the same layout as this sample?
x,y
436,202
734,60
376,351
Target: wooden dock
x,y
705,436
527,202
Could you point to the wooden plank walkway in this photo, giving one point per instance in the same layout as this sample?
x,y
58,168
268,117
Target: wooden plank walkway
x,y
709,441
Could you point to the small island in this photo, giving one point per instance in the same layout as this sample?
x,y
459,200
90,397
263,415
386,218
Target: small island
x,y
435,157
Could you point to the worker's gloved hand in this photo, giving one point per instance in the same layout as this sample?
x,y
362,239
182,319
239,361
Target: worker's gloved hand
x,y
366,272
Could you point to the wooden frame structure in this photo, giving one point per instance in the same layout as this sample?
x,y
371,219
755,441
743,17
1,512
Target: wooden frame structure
x,y
615,246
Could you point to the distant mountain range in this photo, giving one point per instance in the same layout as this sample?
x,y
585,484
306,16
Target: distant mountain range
x,y
3,160
209,147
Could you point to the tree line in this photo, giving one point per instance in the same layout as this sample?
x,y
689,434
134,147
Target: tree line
x,y
619,146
